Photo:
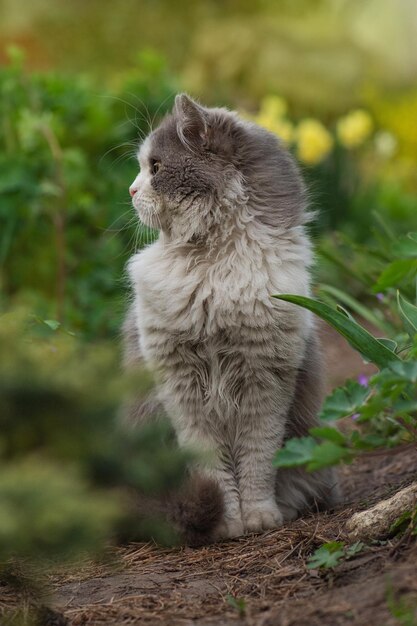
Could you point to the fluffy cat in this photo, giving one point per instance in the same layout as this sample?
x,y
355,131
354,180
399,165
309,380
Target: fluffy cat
x,y
237,371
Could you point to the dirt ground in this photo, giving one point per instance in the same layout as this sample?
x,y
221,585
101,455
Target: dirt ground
x,y
267,572
265,575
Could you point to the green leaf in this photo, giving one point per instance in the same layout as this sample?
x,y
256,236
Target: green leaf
x,y
295,452
357,336
383,226
328,433
406,247
354,549
345,312
344,401
239,604
402,522
53,324
371,441
408,313
327,556
404,406
388,343
407,370
366,442
49,188
342,265
355,306
326,454
395,273
330,554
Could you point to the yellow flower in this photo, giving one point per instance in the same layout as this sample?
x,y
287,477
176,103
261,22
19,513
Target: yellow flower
x,y
354,128
283,128
273,106
314,142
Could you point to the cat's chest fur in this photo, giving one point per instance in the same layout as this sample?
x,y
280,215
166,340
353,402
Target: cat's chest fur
x,y
181,297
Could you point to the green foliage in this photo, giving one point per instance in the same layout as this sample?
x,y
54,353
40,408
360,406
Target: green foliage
x,y
358,337
372,271
330,554
383,408
228,48
239,604
66,161
403,609
327,556
49,511
297,451
313,455
72,479
407,521
344,401
408,314
334,294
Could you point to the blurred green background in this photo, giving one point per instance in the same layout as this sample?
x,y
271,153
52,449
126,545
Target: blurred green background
x,y
80,84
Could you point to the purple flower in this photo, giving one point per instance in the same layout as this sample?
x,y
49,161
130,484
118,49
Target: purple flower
x,y
363,380
356,416
380,297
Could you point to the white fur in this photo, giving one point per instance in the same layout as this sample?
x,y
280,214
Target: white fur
x,y
219,395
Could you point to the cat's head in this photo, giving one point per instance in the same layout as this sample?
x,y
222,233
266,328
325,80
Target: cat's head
x,y
200,163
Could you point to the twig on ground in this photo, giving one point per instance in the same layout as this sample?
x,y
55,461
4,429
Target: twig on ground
x,y
376,522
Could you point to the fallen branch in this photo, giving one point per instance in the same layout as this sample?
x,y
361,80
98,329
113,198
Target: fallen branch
x,y
375,523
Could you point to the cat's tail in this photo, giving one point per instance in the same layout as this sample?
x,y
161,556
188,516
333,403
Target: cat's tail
x,y
197,510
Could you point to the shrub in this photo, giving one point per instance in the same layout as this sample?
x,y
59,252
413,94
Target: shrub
x,y
383,408
65,215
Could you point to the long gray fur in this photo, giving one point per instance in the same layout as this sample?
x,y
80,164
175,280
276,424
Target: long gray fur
x,y
237,371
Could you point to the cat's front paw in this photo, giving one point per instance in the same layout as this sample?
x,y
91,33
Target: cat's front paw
x,y
259,516
229,529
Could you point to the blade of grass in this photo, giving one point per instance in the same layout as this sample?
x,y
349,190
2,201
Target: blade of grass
x,y
357,307
356,335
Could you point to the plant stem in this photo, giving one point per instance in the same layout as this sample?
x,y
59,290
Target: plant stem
x,y
59,221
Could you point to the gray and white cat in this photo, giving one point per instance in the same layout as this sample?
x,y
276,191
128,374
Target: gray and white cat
x,y
238,372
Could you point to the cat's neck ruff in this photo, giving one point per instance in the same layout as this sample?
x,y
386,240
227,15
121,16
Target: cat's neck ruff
x,y
244,241
235,231
229,276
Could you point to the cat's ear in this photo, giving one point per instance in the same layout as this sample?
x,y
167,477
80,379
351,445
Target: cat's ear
x,y
192,122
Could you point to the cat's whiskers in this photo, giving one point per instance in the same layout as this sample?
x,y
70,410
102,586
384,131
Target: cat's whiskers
x,y
121,145
141,234
146,234
158,220
169,97
123,157
127,248
144,120
109,228
144,105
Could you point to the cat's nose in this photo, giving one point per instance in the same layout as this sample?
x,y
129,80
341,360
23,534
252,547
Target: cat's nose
x,y
132,190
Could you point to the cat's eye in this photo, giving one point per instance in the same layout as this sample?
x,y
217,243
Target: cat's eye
x,y
155,166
